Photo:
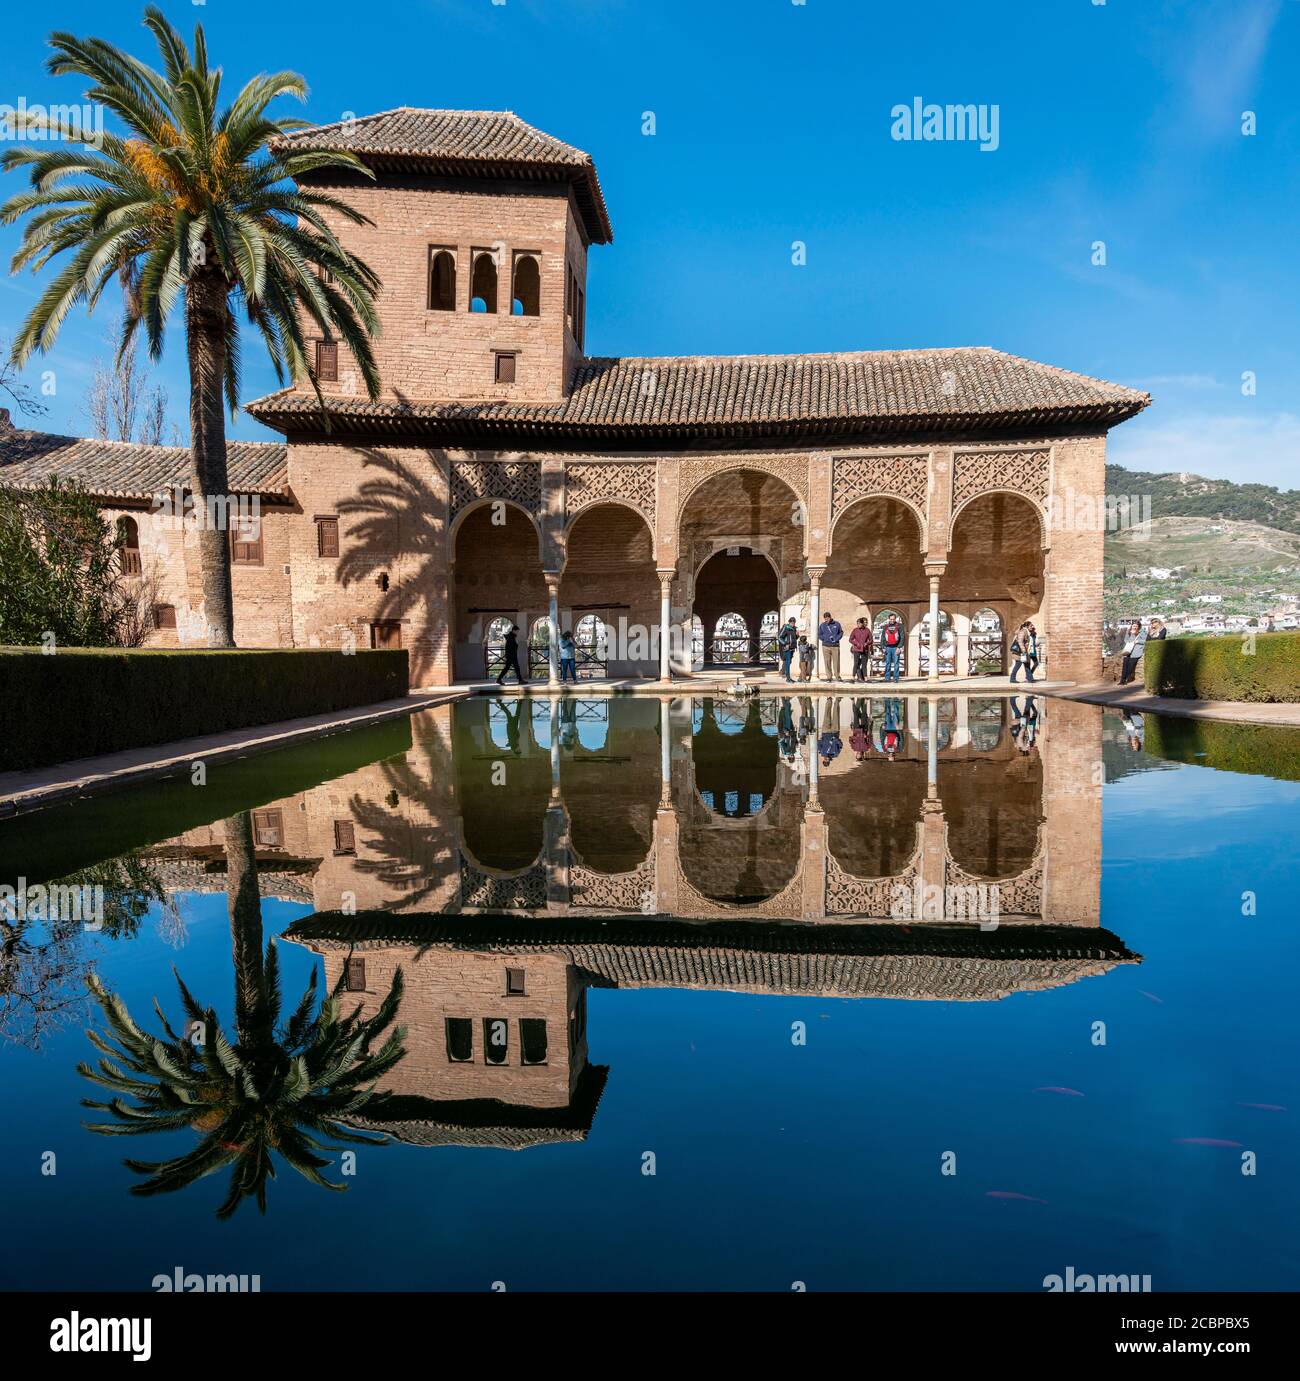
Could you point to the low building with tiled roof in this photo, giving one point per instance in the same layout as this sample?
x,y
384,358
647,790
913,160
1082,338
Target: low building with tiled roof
x,y
505,475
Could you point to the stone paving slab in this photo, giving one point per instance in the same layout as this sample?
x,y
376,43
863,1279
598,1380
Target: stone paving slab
x,y
48,786
1136,697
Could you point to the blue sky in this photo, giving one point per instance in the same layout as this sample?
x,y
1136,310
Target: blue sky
x,y
1119,122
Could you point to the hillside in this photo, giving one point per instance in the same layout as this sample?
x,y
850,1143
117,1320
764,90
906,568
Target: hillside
x,y
1192,496
1241,541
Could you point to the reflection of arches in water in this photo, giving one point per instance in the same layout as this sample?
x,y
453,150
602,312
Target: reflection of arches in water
x,y
584,724
946,717
872,812
744,862
501,820
994,814
734,756
541,721
986,718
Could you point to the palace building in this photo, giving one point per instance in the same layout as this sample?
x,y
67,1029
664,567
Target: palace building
x,y
505,475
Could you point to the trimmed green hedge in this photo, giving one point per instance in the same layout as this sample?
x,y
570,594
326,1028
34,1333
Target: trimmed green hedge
x,y
1260,749
1222,669
79,702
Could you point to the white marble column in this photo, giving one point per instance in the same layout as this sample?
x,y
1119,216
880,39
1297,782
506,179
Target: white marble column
x,y
665,624
935,639
553,619
814,620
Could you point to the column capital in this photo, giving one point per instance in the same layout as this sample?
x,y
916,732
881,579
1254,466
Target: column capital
x,y
934,569
552,579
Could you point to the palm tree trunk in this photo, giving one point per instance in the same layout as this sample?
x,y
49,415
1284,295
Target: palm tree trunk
x,y
205,323
244,900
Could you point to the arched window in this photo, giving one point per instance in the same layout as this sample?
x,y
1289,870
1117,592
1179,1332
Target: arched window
x,y
128,541
947,644
730,640
483,283
539,649
592,640
767,631
442,281
494,645
987,655
527,297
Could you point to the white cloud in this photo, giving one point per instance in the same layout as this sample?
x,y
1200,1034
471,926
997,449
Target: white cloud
x,y
1244,449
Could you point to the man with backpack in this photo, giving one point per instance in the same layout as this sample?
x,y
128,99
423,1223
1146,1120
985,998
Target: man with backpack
x,y
829,635
891,639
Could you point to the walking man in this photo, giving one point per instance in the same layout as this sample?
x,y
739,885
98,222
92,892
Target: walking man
x,y
511,652
891,636
829,635
860,642
786,642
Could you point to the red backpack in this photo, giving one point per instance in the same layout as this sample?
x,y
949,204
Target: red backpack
x,y
891,635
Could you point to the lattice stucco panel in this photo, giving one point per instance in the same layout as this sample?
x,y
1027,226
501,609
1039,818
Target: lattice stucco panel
x,y
1026,472
589,482
860,477
472,480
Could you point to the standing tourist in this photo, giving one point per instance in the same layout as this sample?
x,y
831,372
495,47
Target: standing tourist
x,y
891,638
568,658
829,635
806,655
787,640
860,642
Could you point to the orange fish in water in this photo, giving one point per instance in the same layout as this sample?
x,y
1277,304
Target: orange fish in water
x,y
1057,1088
1151,997
1011,1194
1264,1107
1206,1141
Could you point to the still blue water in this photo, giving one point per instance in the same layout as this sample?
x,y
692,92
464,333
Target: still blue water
x,y
775,1161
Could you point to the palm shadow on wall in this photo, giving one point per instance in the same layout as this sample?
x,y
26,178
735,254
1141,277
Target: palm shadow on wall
x,y
396,529
408,835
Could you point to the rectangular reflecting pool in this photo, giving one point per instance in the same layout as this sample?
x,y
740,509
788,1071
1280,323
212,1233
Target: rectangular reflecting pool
x,y
704,994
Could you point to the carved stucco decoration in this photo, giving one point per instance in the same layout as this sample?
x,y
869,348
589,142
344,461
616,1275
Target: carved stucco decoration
x,y
1026,472
694,471
524,891
519,481
1021,895
590,890
860,477
875,899
630,482
786,905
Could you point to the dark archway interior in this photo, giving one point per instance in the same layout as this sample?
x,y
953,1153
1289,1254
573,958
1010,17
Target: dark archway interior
x,y
743,584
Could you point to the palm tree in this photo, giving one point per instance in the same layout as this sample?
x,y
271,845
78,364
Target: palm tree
x,y
273,1088
192,201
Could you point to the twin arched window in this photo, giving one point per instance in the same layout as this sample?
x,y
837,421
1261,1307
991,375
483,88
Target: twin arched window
x,y
442,281
483,283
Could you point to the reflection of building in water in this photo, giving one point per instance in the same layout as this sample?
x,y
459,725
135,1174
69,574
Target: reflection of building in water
x,y
524,851
829,809
496,1006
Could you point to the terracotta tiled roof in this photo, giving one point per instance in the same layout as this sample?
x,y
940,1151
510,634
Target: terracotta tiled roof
x,y
466,142
878,392
950,963
123,470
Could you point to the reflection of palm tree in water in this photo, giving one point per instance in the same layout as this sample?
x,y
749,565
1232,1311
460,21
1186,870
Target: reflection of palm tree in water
x,y
274,1088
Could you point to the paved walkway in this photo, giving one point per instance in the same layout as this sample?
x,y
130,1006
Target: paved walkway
x,y
1136,697
48,786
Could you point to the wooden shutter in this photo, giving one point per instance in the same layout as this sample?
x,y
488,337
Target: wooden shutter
x,y
327,361
345,837
164,616
386,635
327,536
356,976
515,983
505,368
268,829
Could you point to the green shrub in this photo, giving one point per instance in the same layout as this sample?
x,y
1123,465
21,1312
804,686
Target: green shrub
x,y
1262,750
80,702
1264,669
